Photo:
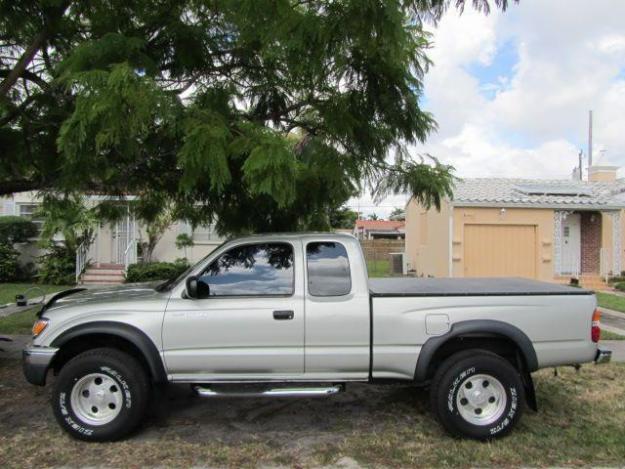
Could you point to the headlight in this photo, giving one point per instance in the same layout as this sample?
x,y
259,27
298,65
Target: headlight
x,y
39,326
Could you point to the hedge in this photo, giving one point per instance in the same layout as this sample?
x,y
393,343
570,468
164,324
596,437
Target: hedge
x,y
15,229
147,271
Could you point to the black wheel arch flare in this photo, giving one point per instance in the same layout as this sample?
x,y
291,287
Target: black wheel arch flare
x,y
124,331
477,326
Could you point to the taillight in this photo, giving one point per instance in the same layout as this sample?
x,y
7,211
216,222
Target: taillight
x,y
595,329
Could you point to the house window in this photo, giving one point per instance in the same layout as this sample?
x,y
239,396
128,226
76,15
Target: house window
x,y
29,211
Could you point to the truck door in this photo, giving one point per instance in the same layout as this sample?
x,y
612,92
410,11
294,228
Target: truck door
x,y
337,311
248,322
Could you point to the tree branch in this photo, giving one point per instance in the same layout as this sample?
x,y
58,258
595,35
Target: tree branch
x,y
29,54
26,58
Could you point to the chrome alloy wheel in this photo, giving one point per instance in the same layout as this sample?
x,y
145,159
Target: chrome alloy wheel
x,y
96,399
481,399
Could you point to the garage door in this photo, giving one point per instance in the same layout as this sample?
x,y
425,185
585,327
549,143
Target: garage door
x,y
500,251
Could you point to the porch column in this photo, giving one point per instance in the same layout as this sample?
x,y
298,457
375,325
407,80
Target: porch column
x,y
616,242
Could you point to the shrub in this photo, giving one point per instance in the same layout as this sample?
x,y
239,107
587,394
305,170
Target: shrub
x,y
620,286
57,266
16,229
146,271
9,266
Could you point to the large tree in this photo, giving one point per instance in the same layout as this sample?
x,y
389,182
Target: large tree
x,y
266,113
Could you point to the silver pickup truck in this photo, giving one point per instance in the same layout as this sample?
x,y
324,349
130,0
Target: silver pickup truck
x,y
295,315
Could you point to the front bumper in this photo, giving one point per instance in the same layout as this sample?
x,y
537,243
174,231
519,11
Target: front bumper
x,y
36,362
603,356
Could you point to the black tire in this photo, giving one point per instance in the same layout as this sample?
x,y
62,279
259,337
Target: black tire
x,y
129,385
462,370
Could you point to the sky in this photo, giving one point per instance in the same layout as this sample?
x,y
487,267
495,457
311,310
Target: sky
x,y
511,91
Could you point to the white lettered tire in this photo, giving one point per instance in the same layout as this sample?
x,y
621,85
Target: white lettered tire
x,y
100,395
477,394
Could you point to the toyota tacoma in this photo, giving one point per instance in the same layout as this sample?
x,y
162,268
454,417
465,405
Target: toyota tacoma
x,y
295,315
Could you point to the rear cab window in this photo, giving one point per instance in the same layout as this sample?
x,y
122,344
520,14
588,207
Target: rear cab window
x,y
328,269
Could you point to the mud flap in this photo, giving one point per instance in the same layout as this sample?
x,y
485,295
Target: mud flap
x,y
530,392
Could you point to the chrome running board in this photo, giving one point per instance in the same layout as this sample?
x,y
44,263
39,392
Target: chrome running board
x,y
309,391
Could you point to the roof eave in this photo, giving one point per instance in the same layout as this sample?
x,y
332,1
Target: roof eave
x,y
459,203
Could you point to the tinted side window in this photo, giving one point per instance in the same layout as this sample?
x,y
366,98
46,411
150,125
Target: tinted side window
x,y
250,270
328,269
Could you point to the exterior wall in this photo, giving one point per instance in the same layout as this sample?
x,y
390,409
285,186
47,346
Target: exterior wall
x,y
102,250
622,231
427,239
607,237
412,235
167,251
591,239
542,219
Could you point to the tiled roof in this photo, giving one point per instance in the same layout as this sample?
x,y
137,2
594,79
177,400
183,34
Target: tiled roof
x,y
559,193
380,225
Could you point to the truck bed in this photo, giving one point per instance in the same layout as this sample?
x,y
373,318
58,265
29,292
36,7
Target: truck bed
x,y
400,287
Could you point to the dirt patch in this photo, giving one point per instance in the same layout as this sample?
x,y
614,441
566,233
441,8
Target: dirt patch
x,y
580,423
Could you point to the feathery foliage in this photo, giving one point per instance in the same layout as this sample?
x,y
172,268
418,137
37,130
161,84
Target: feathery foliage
x,y
261,114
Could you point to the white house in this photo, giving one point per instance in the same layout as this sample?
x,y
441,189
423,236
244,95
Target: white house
x,y
116,244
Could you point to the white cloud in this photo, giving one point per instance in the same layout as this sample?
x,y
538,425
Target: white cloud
x,y
530,120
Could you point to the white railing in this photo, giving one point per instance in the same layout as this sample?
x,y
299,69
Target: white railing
x,y
130,254
605,263
82,258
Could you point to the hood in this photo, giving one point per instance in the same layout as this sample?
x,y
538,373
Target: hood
x,y
118,293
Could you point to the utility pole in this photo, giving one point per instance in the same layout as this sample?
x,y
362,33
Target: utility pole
x,y
589,139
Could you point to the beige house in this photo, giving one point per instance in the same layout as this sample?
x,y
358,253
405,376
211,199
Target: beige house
x,y
551,230
116,245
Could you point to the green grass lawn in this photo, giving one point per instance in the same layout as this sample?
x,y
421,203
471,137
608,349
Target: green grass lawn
x,y
381,268
607,335
9,290
610,301
18,323
22,321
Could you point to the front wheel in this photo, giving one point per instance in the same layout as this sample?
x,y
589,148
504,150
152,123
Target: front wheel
x,y
477,394
100,395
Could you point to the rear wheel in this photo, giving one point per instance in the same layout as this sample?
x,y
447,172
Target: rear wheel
x,y
100,395
477,394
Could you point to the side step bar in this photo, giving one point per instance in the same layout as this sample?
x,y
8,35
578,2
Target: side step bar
x,y
203,391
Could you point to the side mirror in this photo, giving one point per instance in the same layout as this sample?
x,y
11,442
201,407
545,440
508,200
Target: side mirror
x,y
192,286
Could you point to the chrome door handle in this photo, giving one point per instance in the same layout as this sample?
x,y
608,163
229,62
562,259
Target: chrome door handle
x,y
283,315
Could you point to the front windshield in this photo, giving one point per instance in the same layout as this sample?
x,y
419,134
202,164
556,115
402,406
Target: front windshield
x,y
169,284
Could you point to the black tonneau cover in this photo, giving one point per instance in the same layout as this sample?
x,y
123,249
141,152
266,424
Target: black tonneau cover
x,y
388,287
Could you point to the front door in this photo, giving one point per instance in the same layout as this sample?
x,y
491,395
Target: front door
x,y
571,244
248,322
120,237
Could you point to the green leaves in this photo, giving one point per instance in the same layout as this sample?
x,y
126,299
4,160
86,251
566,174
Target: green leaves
x,y
255,114
428,182
116,111
203,155
271,168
